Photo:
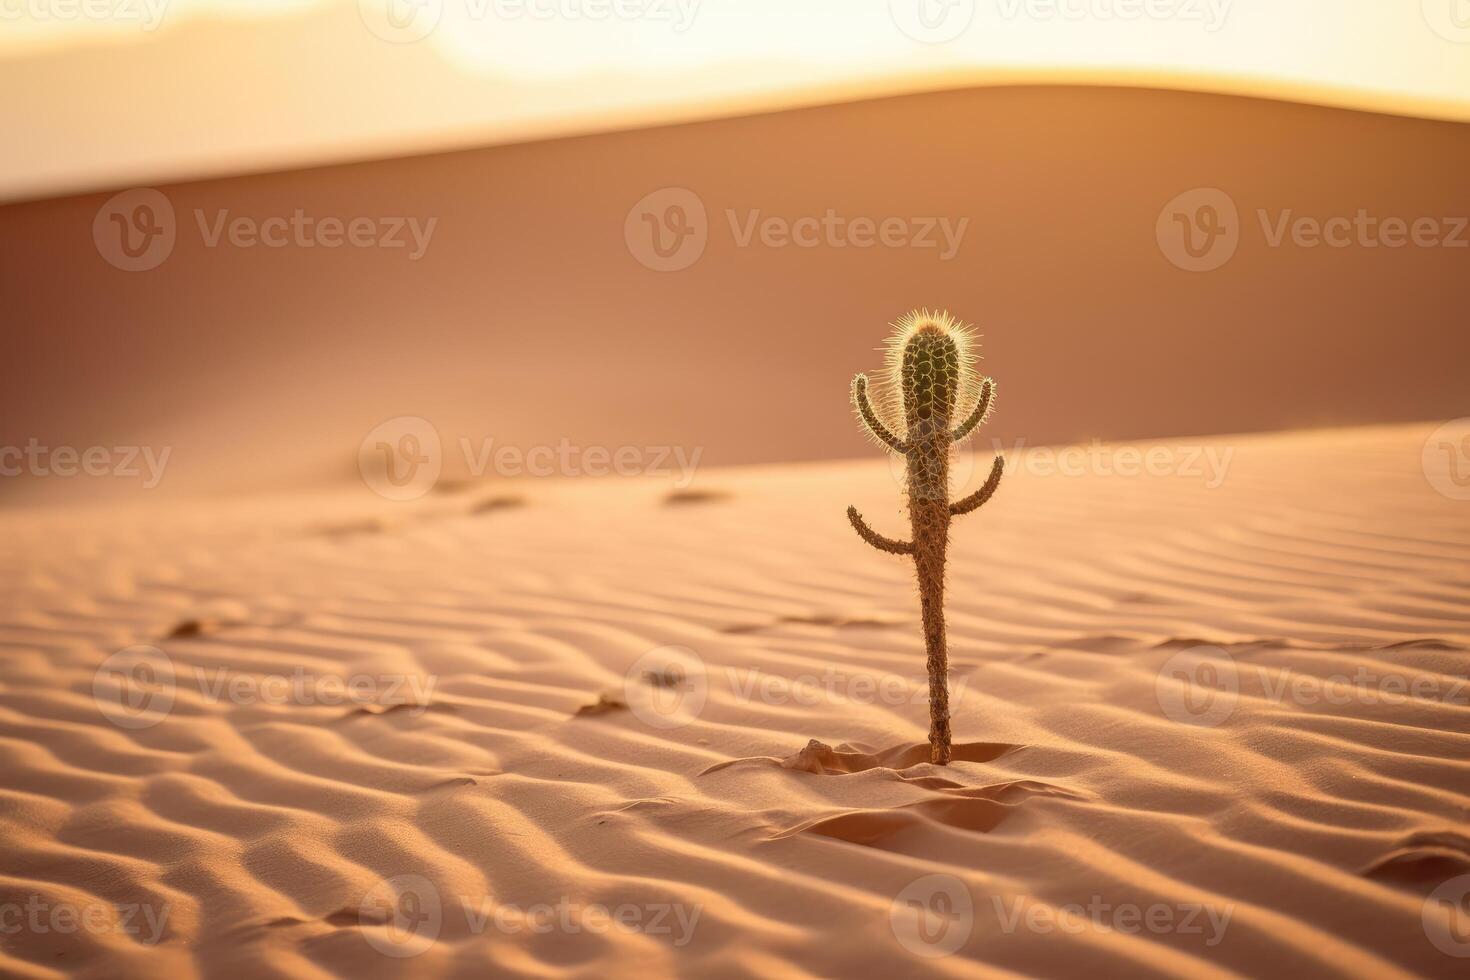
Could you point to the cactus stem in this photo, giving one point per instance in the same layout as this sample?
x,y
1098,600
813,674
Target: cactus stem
x,y
977,499
932,367
982,408
875,427
875,539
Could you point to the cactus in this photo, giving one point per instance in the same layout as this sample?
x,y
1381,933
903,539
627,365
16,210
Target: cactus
x,y
931,382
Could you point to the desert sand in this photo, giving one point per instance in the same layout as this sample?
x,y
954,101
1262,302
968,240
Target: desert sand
x,y
539,753
529,319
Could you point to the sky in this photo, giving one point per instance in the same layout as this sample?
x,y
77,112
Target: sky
x,y
106,93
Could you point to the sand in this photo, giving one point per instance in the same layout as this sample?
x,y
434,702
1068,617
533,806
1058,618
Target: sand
x,y
531,319
522,736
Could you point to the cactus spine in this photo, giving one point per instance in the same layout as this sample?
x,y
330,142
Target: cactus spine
x,y
931,379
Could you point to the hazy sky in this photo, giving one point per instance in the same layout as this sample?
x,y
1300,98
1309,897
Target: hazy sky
x,y
109,92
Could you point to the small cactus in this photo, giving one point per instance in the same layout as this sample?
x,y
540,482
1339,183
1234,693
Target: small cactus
x,y
931,383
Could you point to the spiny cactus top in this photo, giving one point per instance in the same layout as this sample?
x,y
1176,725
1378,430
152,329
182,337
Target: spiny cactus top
x,y
931,372
930,382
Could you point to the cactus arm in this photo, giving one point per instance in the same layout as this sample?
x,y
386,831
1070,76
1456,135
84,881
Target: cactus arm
x,y
870,418
874,538
977,499
978,415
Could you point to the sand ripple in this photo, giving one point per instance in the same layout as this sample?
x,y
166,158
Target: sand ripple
x,y
1247,701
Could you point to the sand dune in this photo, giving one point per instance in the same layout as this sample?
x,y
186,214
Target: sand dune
x,y
1175,704
530,319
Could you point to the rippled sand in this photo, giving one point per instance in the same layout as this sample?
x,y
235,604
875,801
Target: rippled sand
x,y
1206,731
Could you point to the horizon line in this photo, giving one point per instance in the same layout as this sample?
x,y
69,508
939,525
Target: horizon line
x,y
797,98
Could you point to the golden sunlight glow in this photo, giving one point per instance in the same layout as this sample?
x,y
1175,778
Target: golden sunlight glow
x,y
368,76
